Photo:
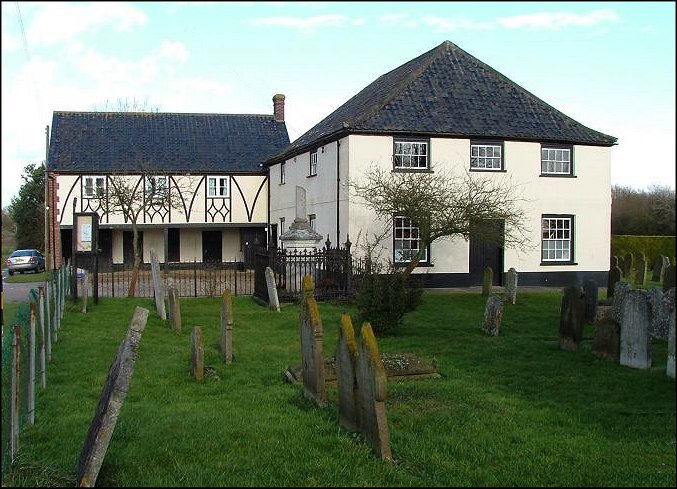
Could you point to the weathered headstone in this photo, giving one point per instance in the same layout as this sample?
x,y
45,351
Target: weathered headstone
x,y
613,262
658,271
615,276
590,290
273,300
622,289
628,264
227,326
571,318
85,290
606,341
113,394
372,387
511,285
640,272
312,355
635,350
669,311
197,350
669,277
621,265
658,327
174,309
493,315
346,366
487,280
158,287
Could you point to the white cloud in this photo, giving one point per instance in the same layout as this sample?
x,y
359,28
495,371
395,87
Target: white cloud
x,y
58,22
302,23
559,20
451,24
174,50
392,18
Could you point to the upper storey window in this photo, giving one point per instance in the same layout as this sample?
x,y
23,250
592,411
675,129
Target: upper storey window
x,y
217,187
486,156
93,186
410,155
556,160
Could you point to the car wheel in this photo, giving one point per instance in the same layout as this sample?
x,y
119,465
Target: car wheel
x,y
21,272
11,272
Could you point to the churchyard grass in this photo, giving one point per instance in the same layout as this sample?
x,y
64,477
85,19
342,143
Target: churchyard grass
x,y
511,410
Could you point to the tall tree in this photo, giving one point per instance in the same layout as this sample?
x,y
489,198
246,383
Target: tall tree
x,y
444,205
28,208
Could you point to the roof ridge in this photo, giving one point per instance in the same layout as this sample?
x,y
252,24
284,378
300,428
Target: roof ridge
x,y
433,54
157,113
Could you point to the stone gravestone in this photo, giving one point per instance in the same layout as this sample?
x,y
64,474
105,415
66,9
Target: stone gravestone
x,y
615,276
590,290
113,395
628,265
85,290
511,285
197,351
621,265
669,311
658,328
158,288
487,280
606,341
174,309
227,327
658,271
273,300
635,348
571,318
640,274
372,387
669,278
493,315
312,355
622,289
346,365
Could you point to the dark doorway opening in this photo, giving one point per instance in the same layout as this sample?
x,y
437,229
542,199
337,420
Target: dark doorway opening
x,y
67,245
128,247
252,239
173,245
483,253
212,245
105,254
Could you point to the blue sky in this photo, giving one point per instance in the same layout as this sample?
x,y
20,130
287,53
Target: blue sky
x,y
609,65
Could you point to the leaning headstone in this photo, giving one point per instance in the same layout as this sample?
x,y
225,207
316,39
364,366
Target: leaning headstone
x,y
658,271
590,290
312,355
113,394
493,315
615,276
640,274
227,327
511,285
622,289
669,277
174,309
628,264
621,265
658,327
158,288
487,280
273,300
372,386
346,365
606,341
197,351
669,311
571,318
85,290
613,261
635,350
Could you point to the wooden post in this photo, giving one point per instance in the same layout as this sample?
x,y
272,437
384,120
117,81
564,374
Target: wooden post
x,y
30,392
41,306
15,402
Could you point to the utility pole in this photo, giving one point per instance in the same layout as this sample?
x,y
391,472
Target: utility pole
x,y
48,261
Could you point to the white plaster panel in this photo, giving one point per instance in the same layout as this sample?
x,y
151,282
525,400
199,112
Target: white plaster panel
x,y
190,243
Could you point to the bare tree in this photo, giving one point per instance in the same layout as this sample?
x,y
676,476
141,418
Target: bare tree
x,y
444,205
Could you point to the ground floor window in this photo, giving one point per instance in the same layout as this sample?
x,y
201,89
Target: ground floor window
x,y
557,233
407,241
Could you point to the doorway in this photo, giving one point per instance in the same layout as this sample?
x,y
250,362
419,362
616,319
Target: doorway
x,y
484,253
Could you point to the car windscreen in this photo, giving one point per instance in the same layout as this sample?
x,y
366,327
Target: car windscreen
x,y
22,253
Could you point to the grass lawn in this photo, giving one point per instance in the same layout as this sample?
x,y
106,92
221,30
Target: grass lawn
x,y
511,410
19,278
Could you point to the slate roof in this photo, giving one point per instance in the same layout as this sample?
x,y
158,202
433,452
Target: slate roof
x,y
109,142
447,92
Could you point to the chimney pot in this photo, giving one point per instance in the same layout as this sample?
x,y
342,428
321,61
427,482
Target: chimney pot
x,y
278,107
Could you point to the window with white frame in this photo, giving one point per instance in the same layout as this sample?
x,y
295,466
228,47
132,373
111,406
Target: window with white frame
x,y
486,156
218,187
410,155
556,160
557,238
407,242
312,171
93,186
283,176
156,185
311,221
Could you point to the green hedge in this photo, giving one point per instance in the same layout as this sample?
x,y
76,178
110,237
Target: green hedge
x,y
651,246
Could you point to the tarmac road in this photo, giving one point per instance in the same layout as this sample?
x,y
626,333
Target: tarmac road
x,y
18,292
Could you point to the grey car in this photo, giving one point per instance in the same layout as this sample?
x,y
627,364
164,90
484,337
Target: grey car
x,y
25,260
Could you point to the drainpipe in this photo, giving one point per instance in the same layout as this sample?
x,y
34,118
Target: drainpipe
x,y
338,187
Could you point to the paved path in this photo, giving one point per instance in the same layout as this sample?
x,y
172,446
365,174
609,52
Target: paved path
x,y
18,292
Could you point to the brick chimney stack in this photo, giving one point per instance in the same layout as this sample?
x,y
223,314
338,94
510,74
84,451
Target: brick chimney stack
x,y
278,107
